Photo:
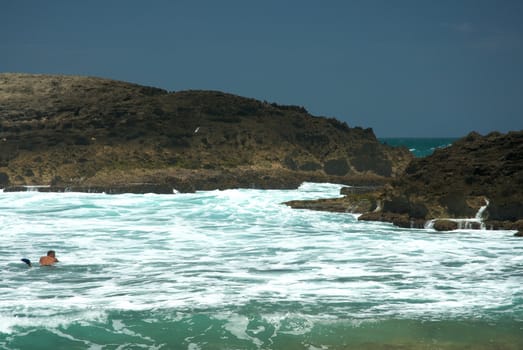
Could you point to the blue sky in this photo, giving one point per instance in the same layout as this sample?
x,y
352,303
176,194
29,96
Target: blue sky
x,y
404,68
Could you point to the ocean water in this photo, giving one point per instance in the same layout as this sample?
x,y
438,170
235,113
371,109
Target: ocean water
x,y
236,269
419,146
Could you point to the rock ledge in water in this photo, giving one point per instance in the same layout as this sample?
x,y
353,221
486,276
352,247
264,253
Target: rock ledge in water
x,y
445,225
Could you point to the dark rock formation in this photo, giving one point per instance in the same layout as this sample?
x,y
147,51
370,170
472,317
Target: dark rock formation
x,y
357,199
456,181
445,225
4,179
400,220
96,134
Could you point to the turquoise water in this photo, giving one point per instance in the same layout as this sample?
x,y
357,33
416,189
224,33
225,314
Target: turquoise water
x,y
420,147
236,269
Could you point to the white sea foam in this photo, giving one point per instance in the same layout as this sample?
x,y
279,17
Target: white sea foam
x,y
467,223
220,249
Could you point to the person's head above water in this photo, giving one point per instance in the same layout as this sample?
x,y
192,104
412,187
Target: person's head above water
x,y
49,259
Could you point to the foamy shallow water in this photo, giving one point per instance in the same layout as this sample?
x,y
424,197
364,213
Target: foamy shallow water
x,y
237,269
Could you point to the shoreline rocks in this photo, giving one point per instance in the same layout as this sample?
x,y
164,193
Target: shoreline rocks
x,y
478,177
355,199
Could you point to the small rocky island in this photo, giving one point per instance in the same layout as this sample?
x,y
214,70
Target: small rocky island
x,y
90,134
477,182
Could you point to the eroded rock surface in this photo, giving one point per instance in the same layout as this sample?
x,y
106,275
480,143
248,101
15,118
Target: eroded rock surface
x,y
98,134
478,177
457,181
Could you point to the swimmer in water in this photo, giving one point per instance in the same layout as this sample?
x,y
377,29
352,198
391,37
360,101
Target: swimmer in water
x,y
48,259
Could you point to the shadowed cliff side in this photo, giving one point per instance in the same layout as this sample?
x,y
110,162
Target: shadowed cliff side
x,y
452,183
91,134
457,181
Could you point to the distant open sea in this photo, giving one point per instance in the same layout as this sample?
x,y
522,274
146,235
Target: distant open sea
x,y
236,269
419,146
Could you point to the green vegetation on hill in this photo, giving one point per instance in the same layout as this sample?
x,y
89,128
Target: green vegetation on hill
x,y
81,131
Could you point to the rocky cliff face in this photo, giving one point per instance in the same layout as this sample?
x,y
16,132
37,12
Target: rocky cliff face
x,y
457,181
478,177
97,134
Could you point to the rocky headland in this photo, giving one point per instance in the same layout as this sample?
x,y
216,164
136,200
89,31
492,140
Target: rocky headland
x,y
475,183
67,133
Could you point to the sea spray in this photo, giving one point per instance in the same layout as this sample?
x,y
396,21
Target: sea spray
x,y
466,223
